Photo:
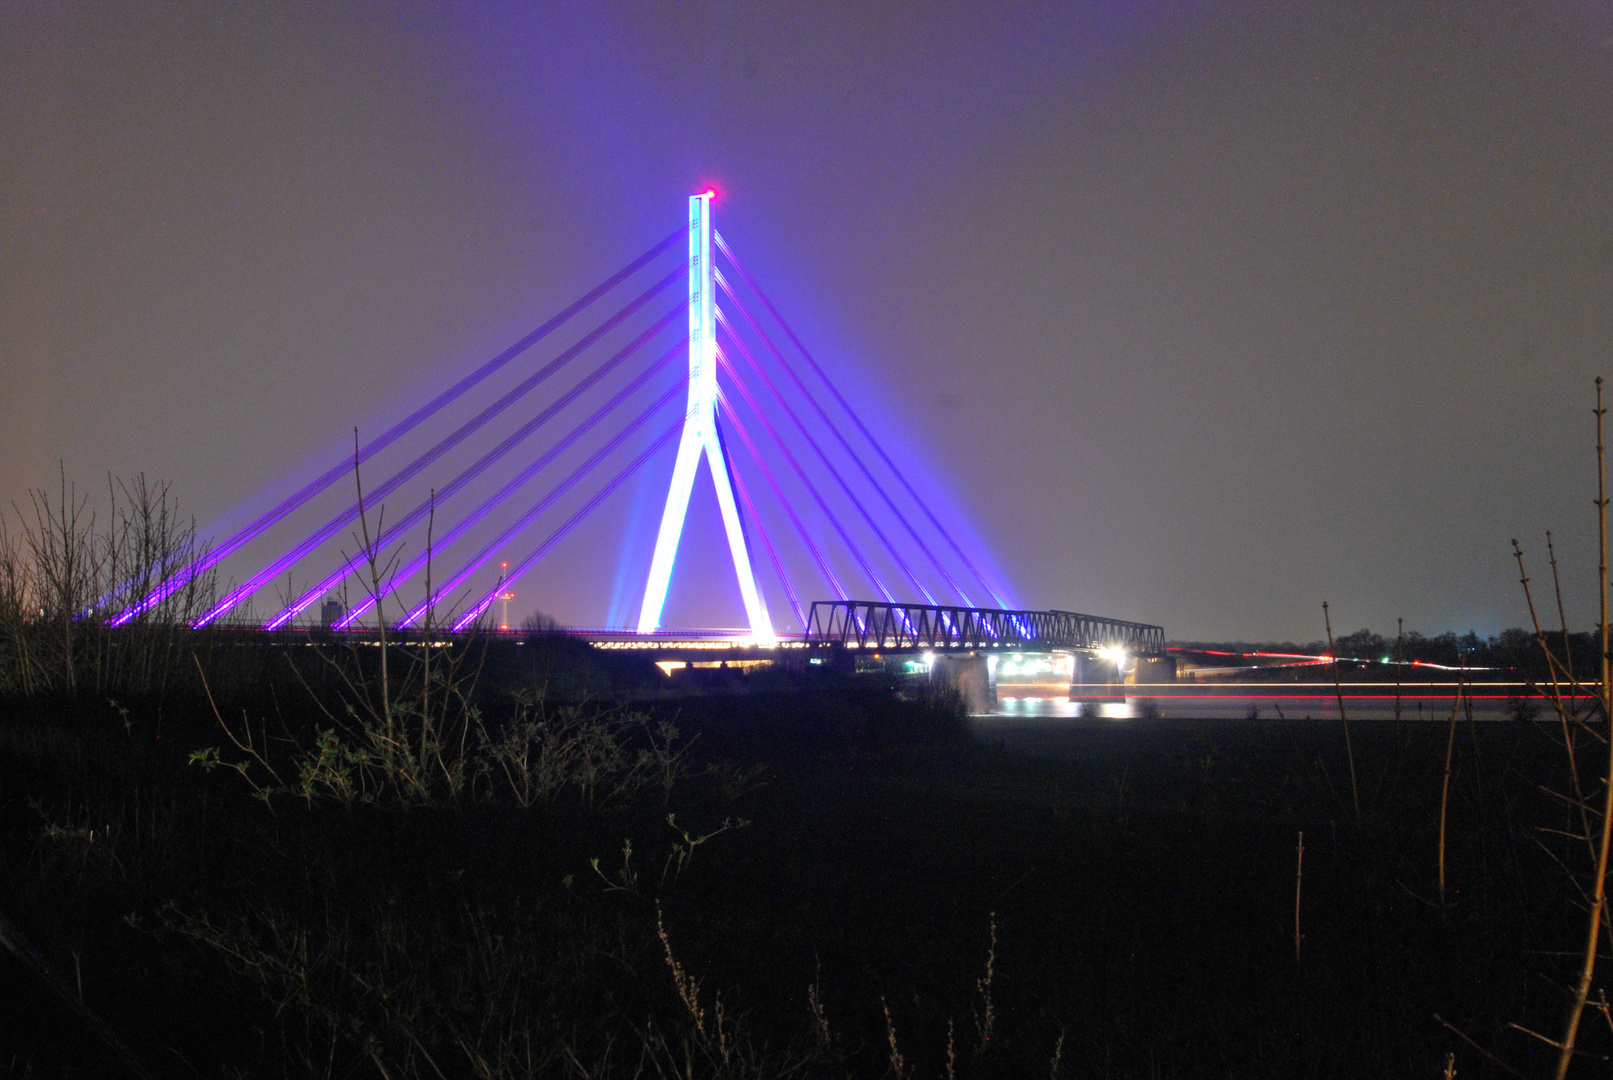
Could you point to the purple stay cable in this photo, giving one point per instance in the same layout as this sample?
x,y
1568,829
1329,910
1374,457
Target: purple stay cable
x,y
727,412
856,553
560,534
767,542
732,416
496,499
785,364
486,461
844,444
466,429
397,431
722,321
855,419
548,500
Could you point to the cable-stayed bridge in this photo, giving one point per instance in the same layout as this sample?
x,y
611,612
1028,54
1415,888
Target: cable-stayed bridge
x,y
682,348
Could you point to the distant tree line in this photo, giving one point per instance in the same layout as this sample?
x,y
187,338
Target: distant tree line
x,y
1516,650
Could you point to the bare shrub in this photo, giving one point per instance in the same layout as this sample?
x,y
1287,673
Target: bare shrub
x,y
601,755
99,603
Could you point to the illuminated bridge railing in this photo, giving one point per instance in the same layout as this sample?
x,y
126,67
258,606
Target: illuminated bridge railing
x,y
871,625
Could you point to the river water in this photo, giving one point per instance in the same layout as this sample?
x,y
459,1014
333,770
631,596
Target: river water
x,y
1263,701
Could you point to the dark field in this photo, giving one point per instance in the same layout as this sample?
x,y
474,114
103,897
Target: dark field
x,y
1140,877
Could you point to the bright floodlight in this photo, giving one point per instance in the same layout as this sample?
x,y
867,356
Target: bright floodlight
x,y
1117,656
702,438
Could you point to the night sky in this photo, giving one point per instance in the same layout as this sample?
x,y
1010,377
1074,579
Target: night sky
x,y
1197,314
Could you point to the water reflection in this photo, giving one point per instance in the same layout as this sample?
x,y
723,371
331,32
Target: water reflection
x,y
1227,707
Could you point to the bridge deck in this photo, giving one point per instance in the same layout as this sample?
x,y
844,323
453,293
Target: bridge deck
x,y
896,627
858,625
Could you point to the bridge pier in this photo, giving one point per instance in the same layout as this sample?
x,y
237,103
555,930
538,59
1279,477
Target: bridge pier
x,y
1155,669
1096,679
970,675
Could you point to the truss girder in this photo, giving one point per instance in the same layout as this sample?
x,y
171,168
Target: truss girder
x,y
868,624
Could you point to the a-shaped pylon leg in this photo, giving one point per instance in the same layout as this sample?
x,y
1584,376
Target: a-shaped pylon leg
x,y
695,443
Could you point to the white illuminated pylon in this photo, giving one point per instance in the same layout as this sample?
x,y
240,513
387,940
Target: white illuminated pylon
x,y
701,437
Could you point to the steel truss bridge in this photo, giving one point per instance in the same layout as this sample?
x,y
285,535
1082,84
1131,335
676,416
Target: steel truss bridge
x,y
478,485
863,624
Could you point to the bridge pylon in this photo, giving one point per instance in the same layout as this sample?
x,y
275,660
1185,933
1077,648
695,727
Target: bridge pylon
x,y
702,438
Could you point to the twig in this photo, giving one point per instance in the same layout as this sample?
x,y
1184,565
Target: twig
x,y
898,1063
1445,789
1460,1034
1551,668
1562,617
986,1019
1573,878
1299,879
18,946
1400,655
1538,1035
820,1018
1338,692
248,746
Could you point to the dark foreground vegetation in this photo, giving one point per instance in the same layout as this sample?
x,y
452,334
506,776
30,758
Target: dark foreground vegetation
x,y
540,862
226,855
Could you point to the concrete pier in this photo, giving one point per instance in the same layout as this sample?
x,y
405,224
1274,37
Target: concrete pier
x,y
1152,670
971,676
1096,679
